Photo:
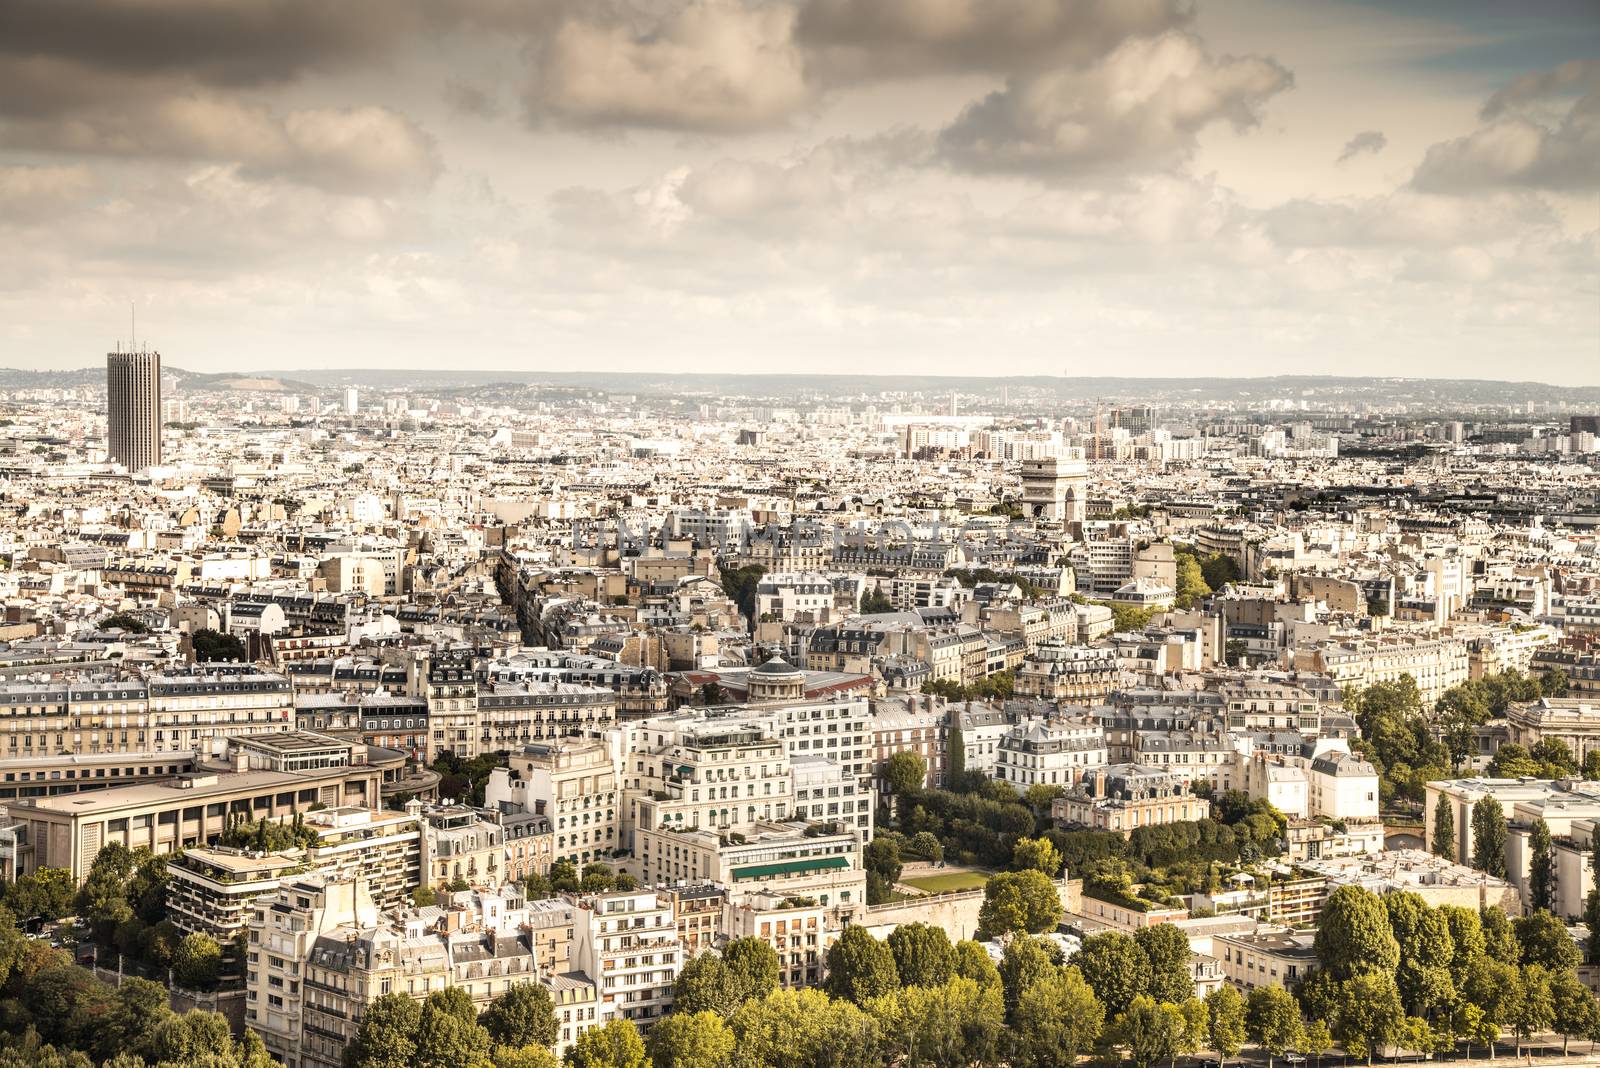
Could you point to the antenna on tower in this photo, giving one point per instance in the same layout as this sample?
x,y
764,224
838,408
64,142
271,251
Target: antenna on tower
x,y
133,330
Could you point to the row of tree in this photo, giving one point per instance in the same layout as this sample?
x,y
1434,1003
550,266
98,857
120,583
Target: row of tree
x,y
54,1014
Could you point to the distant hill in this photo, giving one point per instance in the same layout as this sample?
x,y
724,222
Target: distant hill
x,y
79,378
1429,392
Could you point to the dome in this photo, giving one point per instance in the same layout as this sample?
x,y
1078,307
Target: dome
x,y
777,680
776,669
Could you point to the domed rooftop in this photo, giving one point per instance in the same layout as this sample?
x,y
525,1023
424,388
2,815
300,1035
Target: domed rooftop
x,y
776,668
777,680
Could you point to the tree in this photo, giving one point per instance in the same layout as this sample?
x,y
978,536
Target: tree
x,y
1019,901
860,967
1576,1013
1533,1009
1489,837
524,1057
926,845
1272,1020
1545,942
702,986
752,968
1056,1018
1167,950
522,1016
875,601
1426,952
1499,938
138,1008
213,645
1191,581
1036,854
1225,1021
881,857
197,962
387,1037
906,772
804,1029
448,1035
42,894
1541,866
616,1044
1024,961
1316,1039
124,621
1368,1014
1115,967
1150,1031
953,1025
973,962
1353,934
923,955
1444,828
691,1040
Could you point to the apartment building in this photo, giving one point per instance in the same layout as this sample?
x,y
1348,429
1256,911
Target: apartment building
x,y
1073,673
169,712
1435,663
628,943
512,715
1124,797
912,725
1050,752
575,784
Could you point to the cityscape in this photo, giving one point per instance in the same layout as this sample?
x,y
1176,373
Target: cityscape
x,y
799,533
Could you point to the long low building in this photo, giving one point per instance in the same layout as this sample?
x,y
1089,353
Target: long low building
x,y
68,831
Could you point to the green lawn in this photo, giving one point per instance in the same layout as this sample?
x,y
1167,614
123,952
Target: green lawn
x,y
957,880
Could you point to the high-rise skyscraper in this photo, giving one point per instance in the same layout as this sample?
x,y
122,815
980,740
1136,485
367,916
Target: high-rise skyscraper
x,y
133,409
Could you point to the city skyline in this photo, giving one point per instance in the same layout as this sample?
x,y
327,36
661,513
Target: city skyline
x,y
821,186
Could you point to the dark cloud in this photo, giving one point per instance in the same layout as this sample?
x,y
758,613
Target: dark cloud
x,y
1520,145
1140,106
1367,141
229,43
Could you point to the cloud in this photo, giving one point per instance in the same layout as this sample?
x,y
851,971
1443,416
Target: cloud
x,y
362,149
29,193
1520,144
869,39
219,43
469,99
1142,105
1368,141
710,65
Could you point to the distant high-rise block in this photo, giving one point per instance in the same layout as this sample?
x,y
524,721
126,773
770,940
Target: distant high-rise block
x,y
133,409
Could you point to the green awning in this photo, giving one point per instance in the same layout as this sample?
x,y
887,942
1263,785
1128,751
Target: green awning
x,y
791,867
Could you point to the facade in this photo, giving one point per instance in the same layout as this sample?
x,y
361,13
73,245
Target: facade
x,y
574,783
1050,753
629,943
195,809
1123,797
133,409
1266,958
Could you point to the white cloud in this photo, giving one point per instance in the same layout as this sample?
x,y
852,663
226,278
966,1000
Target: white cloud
x,y
714,65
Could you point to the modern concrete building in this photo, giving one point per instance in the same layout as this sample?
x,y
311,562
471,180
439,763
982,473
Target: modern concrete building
x,y
133,409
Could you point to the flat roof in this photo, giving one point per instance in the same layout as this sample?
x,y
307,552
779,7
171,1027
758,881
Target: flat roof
x,y
172,791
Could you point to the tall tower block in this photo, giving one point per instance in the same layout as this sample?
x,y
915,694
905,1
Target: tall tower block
x,y
133,409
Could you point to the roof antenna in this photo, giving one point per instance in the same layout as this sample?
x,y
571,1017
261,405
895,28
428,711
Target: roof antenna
x,y
133,332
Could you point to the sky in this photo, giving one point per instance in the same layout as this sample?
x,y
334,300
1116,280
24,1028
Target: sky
x,y
1007,187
